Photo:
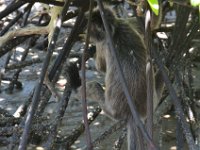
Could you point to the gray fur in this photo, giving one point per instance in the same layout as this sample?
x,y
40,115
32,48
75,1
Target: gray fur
x,y
132,55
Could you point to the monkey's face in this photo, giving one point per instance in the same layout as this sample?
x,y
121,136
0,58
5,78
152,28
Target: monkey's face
x,y
98,32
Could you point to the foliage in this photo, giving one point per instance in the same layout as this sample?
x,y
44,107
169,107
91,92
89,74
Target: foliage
x,y
154,6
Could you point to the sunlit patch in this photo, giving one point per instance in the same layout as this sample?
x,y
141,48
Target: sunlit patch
x,y
2,99
73,146
39,148
191,50
58,24
5,82
97,123
20,49
6,23
3,6
62,82
59,48
17,113
71,21
169,131
130,14
166,116
131,52
73,59
78,141
96,73
9,108
26,70
16,27
35,56
102,113
162,35
91,107
90,115
191,115
55,53
173,148
38,72
19,58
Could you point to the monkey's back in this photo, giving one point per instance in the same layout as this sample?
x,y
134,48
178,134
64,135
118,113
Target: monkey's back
x,y
132,55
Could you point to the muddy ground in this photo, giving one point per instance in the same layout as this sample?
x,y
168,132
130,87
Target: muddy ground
x,y
164,136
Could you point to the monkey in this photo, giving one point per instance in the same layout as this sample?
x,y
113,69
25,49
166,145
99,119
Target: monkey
x,y
132,54
131,51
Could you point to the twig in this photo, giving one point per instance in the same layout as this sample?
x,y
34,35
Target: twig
x,y
9,121
51,87
60,113
22,32
69,140
180,28
23,64
50,2
27,10
3,31
4,113
179,136
16,74
118,144
123,81
83,80
149,77
79,25
9,45
22,109
13,122
10,8
162,109
115,127
176,102
47,94
36,96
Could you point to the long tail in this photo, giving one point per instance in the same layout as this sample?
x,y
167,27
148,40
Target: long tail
x,y
134,137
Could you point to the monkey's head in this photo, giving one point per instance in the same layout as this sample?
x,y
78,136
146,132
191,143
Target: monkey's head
x,y
98,32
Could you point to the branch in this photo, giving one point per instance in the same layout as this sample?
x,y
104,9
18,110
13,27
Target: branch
x,y
83,79
23,64
36,97
10,8
69,140
9,45
118,144
176,102
115,127
11,23
49,2
23,32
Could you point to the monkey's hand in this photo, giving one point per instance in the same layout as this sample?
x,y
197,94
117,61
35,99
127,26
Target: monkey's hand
x,y
94,91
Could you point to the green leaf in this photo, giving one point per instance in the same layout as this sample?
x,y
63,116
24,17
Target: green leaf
x,y
199,13
195,2
154,6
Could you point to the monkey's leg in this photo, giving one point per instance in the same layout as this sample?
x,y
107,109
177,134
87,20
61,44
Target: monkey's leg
x,y
95,92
